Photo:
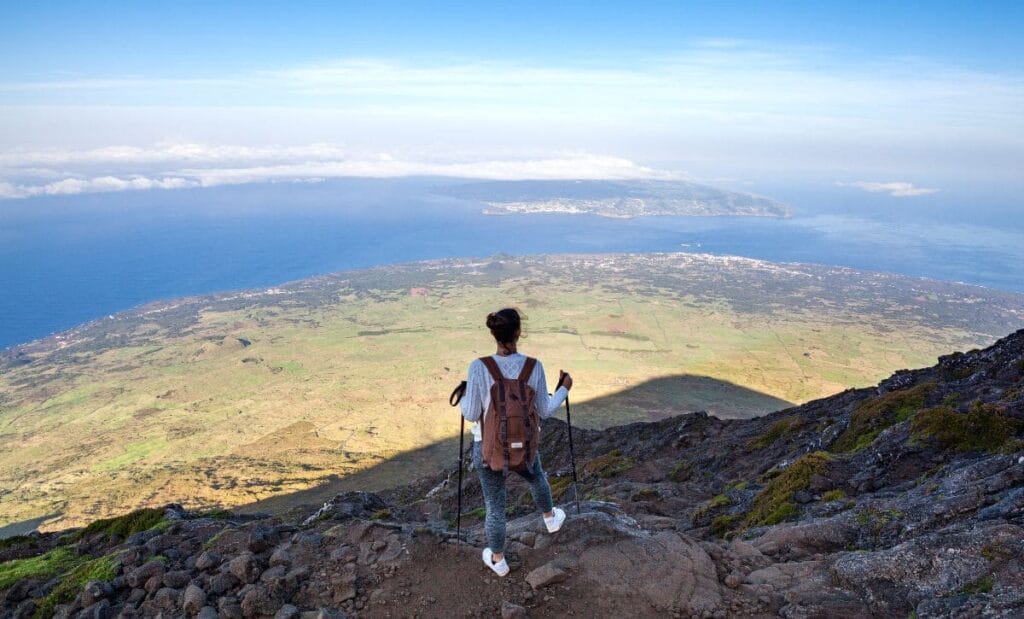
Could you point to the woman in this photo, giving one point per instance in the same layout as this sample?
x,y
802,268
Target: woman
x,y
506,327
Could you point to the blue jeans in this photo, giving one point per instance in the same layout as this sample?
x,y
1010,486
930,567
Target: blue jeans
x,y
492,483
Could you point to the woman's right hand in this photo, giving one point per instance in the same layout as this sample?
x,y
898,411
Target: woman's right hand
x,y
565,380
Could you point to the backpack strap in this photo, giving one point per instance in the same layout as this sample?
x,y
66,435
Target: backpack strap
x,y
527,369
492,367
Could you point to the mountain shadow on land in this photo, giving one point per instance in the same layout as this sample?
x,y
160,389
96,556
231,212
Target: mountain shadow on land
x,y
651,400
904,499
663,397
25,526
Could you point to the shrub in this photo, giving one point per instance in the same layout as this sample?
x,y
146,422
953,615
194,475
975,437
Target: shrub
x,y
210,543
878,519
42,566
102,569
716,502
682,471
18,540
873,416
609,465
781,428
773,503
982,585
783,511
479,513
1012,446
833,495
558,486
128,524
985,428
645,494
723,524
216,514
960,372
719,500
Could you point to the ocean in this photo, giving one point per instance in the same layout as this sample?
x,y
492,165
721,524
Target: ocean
x,y
66,260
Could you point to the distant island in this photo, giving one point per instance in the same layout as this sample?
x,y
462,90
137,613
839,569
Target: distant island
x,y
617,199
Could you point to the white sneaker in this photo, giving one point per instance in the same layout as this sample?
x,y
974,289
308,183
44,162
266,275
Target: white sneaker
x,y
500,568
554,523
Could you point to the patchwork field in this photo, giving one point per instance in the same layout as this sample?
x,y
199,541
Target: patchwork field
x,y
241,397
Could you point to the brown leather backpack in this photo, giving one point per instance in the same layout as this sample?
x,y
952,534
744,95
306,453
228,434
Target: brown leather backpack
x,y
511,434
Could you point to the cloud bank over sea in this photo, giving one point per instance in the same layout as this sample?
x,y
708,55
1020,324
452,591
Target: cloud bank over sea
x,y
178,166
712,108
896,189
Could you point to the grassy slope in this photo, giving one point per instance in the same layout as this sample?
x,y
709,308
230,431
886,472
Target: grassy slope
x,y
340,384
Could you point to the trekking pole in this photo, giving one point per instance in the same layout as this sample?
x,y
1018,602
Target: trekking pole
x,y
454,400
572,453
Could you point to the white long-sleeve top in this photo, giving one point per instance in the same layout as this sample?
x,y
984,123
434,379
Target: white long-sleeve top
x,y
478,389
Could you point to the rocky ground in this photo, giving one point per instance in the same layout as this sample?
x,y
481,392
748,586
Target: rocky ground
x,y
901,500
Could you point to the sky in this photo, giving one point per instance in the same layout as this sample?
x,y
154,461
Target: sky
x,y
904,98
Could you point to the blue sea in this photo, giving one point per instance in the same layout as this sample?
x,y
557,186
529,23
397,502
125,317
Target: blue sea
x,y
67,260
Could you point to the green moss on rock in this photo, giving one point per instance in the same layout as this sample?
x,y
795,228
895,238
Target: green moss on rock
x,y
724,523
877,519
128,524
985,427
719,500
782,512
103,569
216,514
833,495
609,465
873,416
716,502
774,503
477,514
681,472
982,585
558,486
645,494
45,565
780,429
24,541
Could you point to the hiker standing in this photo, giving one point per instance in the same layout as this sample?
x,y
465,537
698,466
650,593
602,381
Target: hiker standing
x,y
507,395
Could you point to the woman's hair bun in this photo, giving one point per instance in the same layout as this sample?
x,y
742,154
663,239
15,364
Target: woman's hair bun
x,y
504,324
495,320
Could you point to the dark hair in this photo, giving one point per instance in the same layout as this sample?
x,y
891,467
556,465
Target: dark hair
x,y
504,324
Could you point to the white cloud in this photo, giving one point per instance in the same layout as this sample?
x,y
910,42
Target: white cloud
x,y
583,167
202,165
898,189
8,191
168,152
71,186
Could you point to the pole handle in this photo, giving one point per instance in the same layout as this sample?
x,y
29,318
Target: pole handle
x,y
457,394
